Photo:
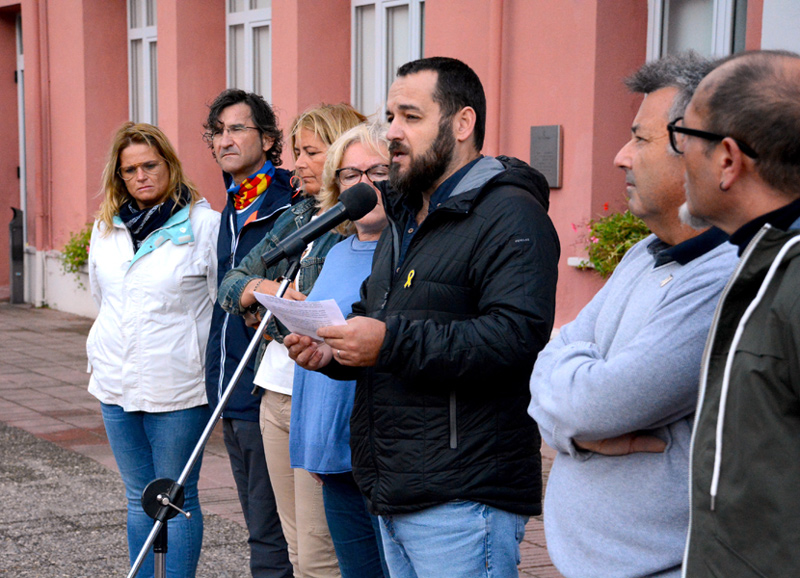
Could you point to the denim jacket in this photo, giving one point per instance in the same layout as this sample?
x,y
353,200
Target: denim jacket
x,y
252,267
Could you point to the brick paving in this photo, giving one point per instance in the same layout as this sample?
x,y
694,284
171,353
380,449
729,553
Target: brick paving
x,y
43,384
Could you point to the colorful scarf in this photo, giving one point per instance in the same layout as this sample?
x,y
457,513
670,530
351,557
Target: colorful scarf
x,y
250,189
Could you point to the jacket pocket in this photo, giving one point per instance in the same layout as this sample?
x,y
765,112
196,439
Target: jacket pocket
x,y
730,563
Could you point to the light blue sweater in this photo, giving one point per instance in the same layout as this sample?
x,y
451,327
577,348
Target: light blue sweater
x,y
630,361
319,433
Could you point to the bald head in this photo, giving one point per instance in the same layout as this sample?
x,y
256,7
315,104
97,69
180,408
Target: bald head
x,y
755,97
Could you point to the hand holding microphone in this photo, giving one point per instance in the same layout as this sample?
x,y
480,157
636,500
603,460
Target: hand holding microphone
x,y
354,203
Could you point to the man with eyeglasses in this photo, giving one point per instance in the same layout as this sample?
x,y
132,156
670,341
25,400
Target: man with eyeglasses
x,y
615,391
242,132
740,139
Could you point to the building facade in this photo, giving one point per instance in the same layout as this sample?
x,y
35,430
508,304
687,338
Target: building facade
x,y
71,71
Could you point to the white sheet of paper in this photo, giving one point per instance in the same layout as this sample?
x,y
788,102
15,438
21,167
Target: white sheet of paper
x,y
303,317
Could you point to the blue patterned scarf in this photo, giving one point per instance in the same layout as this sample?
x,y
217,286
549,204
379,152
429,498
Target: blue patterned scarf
x,y
142,222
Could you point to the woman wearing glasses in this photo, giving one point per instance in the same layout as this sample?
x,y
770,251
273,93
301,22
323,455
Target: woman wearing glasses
x,y
298,496
321,407
152,270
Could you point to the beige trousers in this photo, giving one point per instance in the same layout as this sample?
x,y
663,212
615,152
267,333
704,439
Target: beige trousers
x,y
297,494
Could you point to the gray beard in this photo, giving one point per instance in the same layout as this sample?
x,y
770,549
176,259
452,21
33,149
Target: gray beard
x,y
687,218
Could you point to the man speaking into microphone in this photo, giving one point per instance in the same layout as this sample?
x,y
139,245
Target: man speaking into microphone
x,y
459,303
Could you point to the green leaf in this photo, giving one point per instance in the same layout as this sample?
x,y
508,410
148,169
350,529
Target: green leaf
x,y
75,253
610,237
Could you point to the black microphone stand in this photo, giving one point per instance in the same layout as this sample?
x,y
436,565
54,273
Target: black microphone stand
x,y
162,498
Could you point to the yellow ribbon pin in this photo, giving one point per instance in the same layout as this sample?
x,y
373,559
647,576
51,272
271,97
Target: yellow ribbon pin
x,y
408,281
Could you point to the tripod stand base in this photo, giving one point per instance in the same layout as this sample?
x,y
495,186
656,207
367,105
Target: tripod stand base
x,y
160,553
155,507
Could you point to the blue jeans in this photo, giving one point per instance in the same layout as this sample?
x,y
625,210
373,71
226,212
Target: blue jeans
x,y
147,446
455,539
356,534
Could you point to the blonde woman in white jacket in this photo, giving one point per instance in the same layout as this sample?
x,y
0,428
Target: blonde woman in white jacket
x,y
152,269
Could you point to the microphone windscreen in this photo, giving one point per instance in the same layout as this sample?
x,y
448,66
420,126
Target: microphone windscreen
x,y
358,200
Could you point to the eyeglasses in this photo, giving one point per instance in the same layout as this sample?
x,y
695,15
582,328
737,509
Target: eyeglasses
x,y
149,168
677,141
234,131
349,176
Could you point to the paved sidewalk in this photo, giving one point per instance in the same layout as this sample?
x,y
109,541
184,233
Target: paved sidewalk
x,y
43,384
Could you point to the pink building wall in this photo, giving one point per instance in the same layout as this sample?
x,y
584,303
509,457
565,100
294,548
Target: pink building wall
x,y
310,58
9,160
545,63
755,14
37,122
88,98
75,94
191,72
104,36
541,62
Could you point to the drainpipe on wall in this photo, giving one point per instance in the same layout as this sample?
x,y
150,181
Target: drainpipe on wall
x,y
45,196
494,84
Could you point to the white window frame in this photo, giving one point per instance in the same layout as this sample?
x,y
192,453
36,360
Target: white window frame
x,y
721,33
148,35
381,75
23,166
252,18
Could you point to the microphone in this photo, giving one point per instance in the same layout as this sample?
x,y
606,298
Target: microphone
x,y
353,204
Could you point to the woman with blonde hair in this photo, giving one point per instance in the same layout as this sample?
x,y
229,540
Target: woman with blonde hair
x,y
297,495
310,136
319,439
152,271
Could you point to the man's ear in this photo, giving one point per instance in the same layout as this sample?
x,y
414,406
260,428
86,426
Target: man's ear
x,y
730,161
464,123
266,142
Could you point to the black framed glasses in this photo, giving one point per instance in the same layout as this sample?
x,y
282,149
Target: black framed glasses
x,y
235,131
349,176
130,172
676,140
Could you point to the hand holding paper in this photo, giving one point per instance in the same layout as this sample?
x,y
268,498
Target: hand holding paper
x,y
303,317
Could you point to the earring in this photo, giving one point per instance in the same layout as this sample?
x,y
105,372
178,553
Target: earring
x,y
722,188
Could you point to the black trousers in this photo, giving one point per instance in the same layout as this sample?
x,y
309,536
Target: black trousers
x,y
269,557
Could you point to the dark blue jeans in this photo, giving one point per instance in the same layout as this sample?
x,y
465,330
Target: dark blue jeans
x,y
147,446
269,557
356,534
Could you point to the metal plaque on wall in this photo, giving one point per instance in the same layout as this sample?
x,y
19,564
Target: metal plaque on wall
x,y
546,152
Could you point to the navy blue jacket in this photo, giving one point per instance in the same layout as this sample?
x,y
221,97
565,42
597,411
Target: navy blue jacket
x,y
229,335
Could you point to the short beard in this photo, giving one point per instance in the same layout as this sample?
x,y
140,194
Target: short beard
x,y
687,218
423,170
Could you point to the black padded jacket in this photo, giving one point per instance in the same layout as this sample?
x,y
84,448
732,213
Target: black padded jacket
x,y
443,415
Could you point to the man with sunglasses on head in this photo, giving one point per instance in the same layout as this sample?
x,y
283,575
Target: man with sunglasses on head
x,y
740,138
242,132
615,391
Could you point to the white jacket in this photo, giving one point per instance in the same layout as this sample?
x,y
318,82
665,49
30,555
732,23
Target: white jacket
x,y
147,347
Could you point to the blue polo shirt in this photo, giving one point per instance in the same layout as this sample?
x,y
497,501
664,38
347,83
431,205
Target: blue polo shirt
x,y
688,250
